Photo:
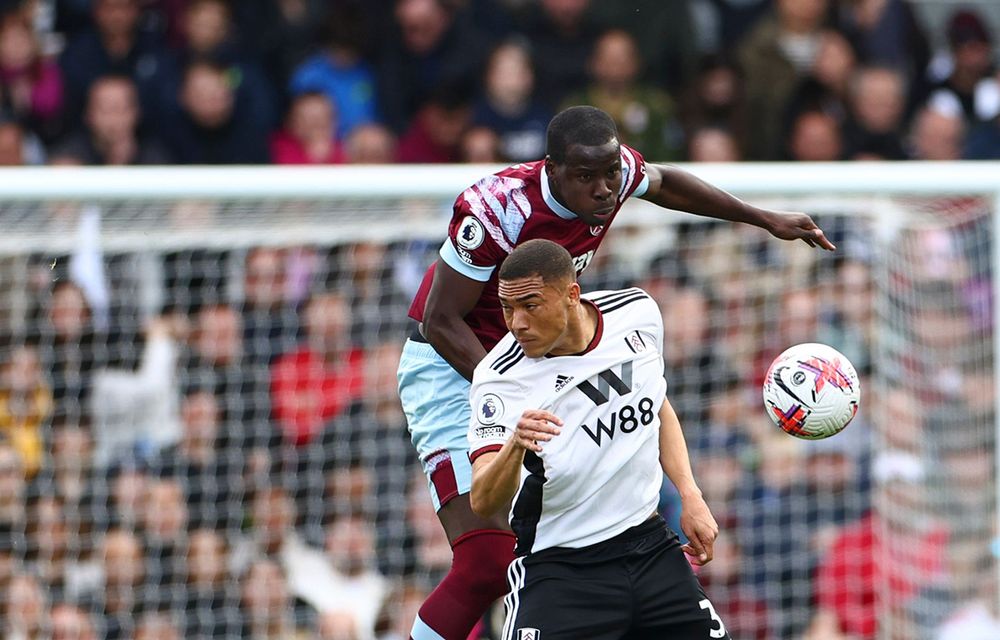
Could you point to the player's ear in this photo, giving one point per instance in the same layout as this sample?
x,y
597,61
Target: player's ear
x,y
573,293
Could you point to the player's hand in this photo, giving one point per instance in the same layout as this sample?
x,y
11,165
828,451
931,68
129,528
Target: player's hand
x,y
701,530
535,426
798,226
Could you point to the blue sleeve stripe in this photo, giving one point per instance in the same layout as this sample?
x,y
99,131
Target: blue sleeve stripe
x,y
453,260
641,189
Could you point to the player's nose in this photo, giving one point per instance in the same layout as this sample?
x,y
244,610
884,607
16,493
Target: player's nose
x,y
602,191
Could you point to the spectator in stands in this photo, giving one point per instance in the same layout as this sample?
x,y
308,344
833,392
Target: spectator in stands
x,y
213,127
667,34
273,536
71,481
49,546
164,536
211,599
215,362
31,85
712,144
202,466
432,552
406,599
645,115
135,412
775,56
340,71
127,486
433,49
688,351
318,381
825,89
371,144
480,145
935,135
120,598
983,141
70,622
267,608
361,589
507,105
714,98
815,137
886,33
735,600
25,609
968,91
877,106
365,273
778,567
18,147
890,549
210,34
157,626
25,406
281,34
116,45
435,133
562,38
13,496
111,134
308,136
71,347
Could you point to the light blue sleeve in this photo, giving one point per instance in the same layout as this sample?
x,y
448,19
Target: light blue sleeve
x,y
642,188
451,258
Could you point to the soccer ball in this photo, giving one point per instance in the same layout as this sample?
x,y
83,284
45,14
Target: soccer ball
x,y
811,391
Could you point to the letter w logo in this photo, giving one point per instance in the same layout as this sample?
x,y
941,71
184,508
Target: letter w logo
x,y
606,381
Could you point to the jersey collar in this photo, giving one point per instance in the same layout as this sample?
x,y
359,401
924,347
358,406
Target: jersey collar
x,y
598,332
551,201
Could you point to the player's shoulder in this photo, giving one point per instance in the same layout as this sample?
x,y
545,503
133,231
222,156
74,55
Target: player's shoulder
x,y
501,362
615,300
514,178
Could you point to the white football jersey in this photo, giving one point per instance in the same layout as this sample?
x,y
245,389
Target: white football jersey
x,y
601,475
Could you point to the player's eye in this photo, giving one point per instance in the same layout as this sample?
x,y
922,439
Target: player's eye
x,y
584,177
531,306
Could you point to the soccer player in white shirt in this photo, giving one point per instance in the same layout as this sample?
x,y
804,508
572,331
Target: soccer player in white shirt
x,y
571,431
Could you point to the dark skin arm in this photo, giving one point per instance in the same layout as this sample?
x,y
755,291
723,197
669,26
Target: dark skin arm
x,y
679,190
451,297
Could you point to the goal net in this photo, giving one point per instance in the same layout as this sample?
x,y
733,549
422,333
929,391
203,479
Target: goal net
x,y
200,431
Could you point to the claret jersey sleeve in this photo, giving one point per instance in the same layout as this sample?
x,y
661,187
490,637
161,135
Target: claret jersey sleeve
x,y
475,245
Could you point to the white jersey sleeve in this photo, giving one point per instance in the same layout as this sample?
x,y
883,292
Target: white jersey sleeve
x,y
496,403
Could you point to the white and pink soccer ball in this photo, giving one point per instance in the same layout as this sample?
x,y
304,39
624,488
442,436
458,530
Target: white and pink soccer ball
x,y
811,391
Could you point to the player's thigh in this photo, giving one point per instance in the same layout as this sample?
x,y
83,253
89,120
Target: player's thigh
x,y
670,602
566,601
435,399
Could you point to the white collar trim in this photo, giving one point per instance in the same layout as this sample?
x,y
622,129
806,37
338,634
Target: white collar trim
x,y
551,201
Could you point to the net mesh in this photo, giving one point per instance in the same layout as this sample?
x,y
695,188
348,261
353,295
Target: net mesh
x,y
201,432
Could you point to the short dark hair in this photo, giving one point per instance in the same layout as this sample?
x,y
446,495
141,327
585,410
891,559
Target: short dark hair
x,y
538,257
584,125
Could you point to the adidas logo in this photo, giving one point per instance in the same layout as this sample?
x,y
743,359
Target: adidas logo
x,y
562,381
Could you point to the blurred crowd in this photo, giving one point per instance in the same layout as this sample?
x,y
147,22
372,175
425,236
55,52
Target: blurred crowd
x,y
124,82
237,465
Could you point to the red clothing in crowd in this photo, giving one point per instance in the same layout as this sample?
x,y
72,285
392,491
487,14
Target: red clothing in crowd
x,y
860,560
285,149
306,393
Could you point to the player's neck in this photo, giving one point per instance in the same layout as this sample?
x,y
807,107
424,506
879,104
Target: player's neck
x,y
580,331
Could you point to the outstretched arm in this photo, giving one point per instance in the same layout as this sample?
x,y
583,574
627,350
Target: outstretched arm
x,y
451,297
677,189
697,521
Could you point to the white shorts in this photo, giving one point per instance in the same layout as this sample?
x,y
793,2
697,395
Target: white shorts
x,y
435,399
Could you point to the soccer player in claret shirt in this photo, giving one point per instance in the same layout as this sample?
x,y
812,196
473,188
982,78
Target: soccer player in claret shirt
x,y
569,414
570,197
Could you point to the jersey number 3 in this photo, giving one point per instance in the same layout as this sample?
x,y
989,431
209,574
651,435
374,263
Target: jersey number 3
x,y
714,633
